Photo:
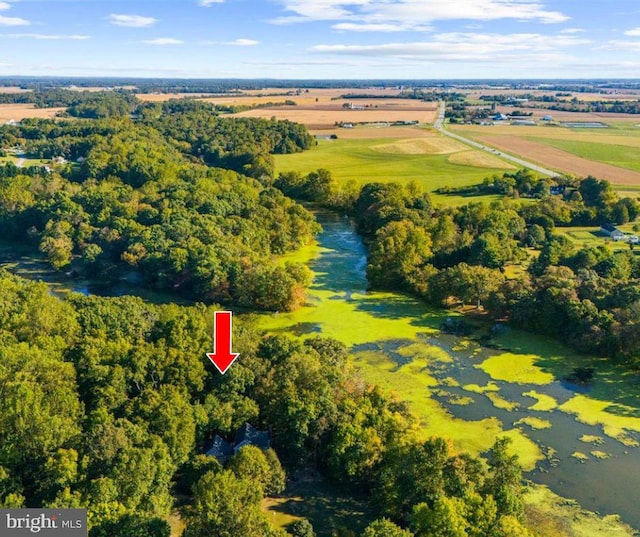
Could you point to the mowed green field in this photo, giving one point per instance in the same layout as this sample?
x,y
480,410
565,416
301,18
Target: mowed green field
x,y
383,160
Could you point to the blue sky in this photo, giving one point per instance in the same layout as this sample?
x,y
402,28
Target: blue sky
x,y
321,38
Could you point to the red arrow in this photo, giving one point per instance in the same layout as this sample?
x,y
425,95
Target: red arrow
x,y
222,357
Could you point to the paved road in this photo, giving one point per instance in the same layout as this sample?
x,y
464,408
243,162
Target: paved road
x,y
439,125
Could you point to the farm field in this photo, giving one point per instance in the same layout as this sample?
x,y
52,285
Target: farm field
x,y
322,109
22,111
605,153
13,89
327,118
622,153
623,95
318,109
427,158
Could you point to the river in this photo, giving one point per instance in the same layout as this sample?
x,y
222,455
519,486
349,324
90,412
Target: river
x,y
458,386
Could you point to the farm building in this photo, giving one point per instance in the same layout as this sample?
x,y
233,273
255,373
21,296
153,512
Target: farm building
x,y
612,231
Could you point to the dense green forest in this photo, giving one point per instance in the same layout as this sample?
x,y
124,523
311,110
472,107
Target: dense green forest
x,y
139,200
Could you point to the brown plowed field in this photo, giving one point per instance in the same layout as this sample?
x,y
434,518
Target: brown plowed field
x,y
557,159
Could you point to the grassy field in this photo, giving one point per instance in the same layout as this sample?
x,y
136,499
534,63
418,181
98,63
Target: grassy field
x,y
432,161
25,162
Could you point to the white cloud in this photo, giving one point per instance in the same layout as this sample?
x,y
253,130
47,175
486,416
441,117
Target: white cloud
x,y
457,46
633,33
163,41
208,3
50,37
235,43
622,45
414,14
572,31
377,27
242,43
4,5
13,21
134,21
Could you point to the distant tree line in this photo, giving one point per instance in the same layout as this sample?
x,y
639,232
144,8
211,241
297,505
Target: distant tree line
x,y
560,102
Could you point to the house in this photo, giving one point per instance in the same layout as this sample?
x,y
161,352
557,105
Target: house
x,y
557,190
250,436
220,449
612,231
247,435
